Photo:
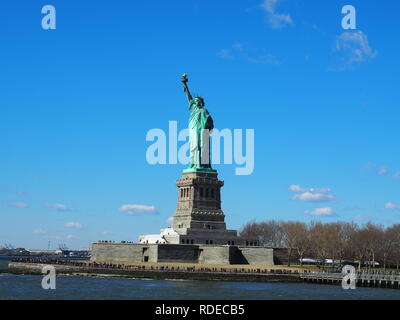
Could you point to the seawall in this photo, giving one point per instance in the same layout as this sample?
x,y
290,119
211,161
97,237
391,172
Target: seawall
x,y
36,269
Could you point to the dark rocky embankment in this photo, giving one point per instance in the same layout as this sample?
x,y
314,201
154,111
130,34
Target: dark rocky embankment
x,y
36,269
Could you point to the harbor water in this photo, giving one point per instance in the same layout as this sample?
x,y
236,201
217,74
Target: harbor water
x,y
80,288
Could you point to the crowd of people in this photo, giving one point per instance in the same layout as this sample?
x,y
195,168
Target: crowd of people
x,y
84,264
166,268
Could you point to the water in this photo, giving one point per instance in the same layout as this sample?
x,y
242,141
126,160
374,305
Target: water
x,y
4,263
80,288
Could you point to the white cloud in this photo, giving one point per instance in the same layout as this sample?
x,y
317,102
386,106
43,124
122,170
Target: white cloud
x,y
73,225
296,188
276,20
253,55
59,207
170,220
39,231
232,52
311,194
313,197
71,236
226,53
390,205
382,171
321,212
137,209
106,233
379,170
354,47
19,205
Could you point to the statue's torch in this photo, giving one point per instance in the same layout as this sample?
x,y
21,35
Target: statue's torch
x,y
185,87
184,78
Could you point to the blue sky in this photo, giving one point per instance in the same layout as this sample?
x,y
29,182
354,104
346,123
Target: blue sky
x,y
76,104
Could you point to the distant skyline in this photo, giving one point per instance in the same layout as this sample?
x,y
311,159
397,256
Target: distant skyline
x,y
77,102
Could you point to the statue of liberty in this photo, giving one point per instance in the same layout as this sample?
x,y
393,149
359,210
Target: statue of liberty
x,y
200,126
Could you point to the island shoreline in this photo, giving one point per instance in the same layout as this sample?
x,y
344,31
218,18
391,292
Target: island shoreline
x,y
36,269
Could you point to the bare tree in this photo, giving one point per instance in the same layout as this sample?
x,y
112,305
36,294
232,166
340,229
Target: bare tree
x,y
365,244
296,237
250,229
392,236
373,241
272,233
345,231
299,234
8,246
288,229
269,233
320,241
358,245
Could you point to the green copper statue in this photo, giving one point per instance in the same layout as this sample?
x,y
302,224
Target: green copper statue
x,y
200,126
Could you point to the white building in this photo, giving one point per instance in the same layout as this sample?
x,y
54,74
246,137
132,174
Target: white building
x,y
157,238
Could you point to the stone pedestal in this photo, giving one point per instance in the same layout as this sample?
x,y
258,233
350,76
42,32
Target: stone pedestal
x,y
199,218
199,202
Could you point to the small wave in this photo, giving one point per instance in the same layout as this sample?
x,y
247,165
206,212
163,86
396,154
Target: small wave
x,y
178,280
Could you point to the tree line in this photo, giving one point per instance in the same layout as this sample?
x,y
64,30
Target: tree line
x,y
342,242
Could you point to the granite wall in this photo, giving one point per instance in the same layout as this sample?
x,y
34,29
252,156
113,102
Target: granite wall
x,y
202,254
257,255
121,252
214,254
178,253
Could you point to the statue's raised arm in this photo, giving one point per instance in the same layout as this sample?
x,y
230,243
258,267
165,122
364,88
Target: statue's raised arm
x,y
185,87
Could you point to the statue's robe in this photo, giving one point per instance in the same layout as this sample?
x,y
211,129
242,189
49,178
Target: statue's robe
x,y
199,120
